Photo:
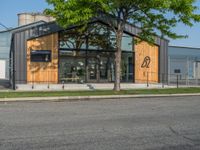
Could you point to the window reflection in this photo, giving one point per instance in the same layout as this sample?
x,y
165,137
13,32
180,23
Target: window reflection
x,y
89,56
95,37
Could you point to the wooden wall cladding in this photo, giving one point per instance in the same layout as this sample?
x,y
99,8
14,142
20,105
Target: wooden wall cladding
x,y
146,63
43,72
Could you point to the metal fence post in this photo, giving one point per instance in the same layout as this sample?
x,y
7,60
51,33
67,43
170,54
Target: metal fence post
x,y
163,80
33,80
14,82
147,79
187,79
63,85
177,84
48,86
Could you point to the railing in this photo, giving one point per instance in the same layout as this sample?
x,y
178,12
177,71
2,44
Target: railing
x,y
148,78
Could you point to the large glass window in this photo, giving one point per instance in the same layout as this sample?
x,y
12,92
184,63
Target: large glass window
x,y
127,67
127,43
72,67
72,40
96,37
100,37
100,66
89,56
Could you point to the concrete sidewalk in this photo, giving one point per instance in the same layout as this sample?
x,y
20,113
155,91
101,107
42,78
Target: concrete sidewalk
x,y
85,87
79,98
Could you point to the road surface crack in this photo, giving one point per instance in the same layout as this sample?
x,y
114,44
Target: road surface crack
x,y
193,141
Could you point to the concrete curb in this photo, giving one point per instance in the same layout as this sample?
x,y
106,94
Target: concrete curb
x,y
70,98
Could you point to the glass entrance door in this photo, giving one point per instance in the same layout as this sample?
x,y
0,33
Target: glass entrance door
x,y
92,70
103,69
72,70
100,69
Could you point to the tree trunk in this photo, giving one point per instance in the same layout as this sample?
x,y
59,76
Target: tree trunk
x,y
118,60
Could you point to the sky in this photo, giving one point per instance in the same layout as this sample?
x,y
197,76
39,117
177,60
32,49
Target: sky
x,y
10,8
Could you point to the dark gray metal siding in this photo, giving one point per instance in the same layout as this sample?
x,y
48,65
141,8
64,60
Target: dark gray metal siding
x,y
20,56
163,60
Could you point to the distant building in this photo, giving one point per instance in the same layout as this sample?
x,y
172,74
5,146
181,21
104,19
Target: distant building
x,y
5,41
27,18
184,61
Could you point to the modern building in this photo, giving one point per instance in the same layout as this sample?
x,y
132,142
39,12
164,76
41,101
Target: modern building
x,y
48,53
184,61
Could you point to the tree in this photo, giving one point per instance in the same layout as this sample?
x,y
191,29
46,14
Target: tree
x,y
152,16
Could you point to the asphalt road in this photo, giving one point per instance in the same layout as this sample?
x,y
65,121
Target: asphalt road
x,y
130,124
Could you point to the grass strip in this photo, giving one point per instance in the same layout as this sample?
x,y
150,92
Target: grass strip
x,y
14,94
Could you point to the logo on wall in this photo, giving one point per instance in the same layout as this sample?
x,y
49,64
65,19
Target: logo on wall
x,y
146,62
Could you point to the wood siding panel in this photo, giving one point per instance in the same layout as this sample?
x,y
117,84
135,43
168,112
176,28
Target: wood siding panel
x,y
151,72
43,72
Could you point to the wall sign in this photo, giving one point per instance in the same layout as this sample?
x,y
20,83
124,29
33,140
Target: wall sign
x,y
41,56
177,71
146,62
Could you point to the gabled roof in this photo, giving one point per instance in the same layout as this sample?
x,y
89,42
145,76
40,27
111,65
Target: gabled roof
x,y
52,27
24,27
187,47
129,28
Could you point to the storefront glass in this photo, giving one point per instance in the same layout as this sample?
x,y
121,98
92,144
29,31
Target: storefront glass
x,y
89,57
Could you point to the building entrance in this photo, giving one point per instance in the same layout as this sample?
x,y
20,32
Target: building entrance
x,y
93,67
100,69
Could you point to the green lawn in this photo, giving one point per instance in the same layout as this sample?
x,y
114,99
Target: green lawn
x,y
13,94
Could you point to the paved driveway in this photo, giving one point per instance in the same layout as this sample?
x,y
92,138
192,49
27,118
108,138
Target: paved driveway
x,y
129,124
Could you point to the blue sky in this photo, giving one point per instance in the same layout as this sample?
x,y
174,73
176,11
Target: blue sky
x,y
10,8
